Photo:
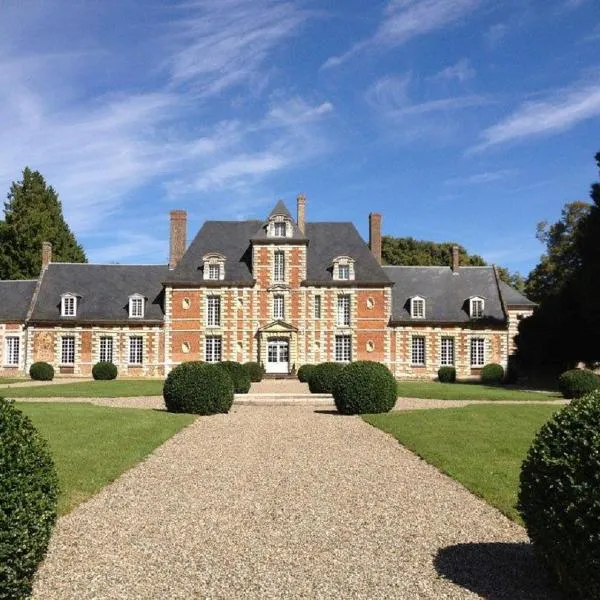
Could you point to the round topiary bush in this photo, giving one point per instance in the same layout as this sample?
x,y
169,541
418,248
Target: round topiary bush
x,y
239,375
304,373
254,371
447,374
492,373
578,382
365,386
199,388
28,495
41,371
323,377
104,371
559,497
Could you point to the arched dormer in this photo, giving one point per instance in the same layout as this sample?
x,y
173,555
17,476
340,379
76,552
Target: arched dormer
x,y
214,266
68,305
476,307
137,306
418,307
343,268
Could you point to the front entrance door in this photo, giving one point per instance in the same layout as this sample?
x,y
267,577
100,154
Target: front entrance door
x,y
278,356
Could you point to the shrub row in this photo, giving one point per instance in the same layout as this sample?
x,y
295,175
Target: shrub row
x,y
578,382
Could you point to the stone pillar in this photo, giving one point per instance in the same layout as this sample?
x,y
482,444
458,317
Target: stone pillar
x,y
178,237
375,235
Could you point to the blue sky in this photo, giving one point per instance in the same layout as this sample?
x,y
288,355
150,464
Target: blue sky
x,y
464,120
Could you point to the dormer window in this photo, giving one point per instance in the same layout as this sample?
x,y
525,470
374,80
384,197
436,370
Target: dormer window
x,y
68,305
417,307
344,272
214,267
214,272
476,307
279,229
343,268
136,306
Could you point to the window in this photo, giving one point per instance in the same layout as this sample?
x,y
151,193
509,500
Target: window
x,y
477,352
106,349
278,307
68,306
213,311
418,350
214,272
136,307
67,355
212,348
343,313
344,272
476,308
279,229
11,351
417,308
317,307
343,348
136,350
447,352
343,268
214,266
279,271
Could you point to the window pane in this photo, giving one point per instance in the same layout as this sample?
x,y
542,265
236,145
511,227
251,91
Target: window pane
x,y
12,347
418,351
67,350
447,352
343,272
214,271
279,268
279,229
477,352
106,349
317,307
278,307
68,306
418,308
213,311
212,348
343,314
136,307
136,350
343,348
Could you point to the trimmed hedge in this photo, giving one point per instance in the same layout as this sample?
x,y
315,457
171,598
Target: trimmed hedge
x,y
254,371
363,387
28,496
323,377
198,388
447,374
41,371
304,373
492,373
104,371
239,375
559,497
578,382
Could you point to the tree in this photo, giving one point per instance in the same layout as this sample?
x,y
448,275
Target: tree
x,y
33,214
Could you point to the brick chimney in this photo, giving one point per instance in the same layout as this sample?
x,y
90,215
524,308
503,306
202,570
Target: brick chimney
x,y
455,260
301,220
46,254
375,235
178,236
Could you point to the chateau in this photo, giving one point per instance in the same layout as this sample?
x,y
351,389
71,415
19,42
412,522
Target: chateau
x,y
282,292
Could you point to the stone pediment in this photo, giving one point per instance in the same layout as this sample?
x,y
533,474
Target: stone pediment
x,y
277,327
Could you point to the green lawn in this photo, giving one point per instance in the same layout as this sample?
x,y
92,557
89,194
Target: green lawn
x,y
89,389
482,447
93,445
7,380
467,391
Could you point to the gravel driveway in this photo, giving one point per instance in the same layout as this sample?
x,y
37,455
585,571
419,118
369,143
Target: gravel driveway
x,y
286,502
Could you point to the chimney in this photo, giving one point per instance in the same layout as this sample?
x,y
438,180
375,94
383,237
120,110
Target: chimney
x,y
375,235
178,237
46,254
455,260
301,220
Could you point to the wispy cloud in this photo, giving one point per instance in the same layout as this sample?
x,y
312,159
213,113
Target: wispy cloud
x,y
404,20
461,71
561,111
481,178
495,34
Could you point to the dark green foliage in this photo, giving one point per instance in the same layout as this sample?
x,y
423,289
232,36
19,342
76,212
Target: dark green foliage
x,y
28,497
104,371
492,374
239,375
254,371
323,377
41,371
559,497
33,214
304,373
447,374
198,388
578,382
363,387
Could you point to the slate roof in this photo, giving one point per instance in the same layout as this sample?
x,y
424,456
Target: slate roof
x,y
280,209
446,293
15,299
103,292
513,297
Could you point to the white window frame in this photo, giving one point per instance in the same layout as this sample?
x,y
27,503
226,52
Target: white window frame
x,y
135,354
477,352
279,307
344,308
106,346
418,347
476,313
279,229
447,355
343,268
343,348
279,266
344,272
136,306
213,311
67,350
12,350
68,305
417,307
214,272
213,348
318,306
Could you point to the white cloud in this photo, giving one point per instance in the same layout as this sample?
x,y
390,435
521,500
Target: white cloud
x,y
461,71
481,178
495,34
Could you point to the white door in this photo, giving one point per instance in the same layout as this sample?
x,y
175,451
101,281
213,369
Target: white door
x,y
278,356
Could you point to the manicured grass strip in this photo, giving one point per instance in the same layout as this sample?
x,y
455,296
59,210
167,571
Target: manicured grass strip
x,y
482,447
89,389
467,391
93,445
7,380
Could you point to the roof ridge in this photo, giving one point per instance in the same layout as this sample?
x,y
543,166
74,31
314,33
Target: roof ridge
x,y
109,264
